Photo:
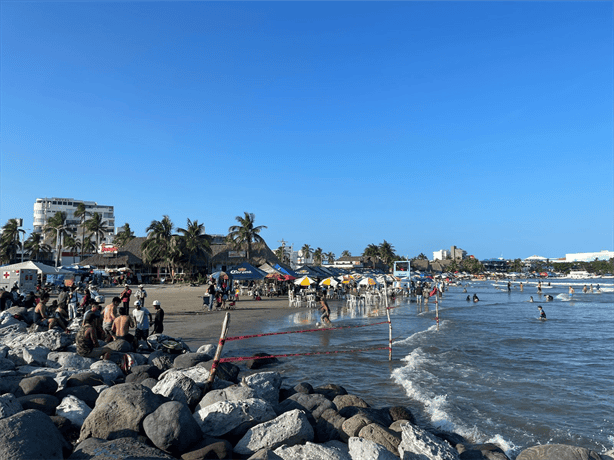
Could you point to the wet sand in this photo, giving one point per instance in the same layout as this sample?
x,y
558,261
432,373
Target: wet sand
x,y
185,317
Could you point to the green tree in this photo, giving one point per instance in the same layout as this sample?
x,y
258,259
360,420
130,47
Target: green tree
x,y
245,233
306,252
317,256
160,245
194,243
473,266
9,241
97,227
35,246
56,229
386,252
372,253
82,214
346,253
72,244
330,257
123,236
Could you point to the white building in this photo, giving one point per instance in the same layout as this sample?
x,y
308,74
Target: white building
x,y
589,256
46,208
442,254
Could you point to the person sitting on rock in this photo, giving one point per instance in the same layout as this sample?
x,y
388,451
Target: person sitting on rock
x,y
87,341
59,319
40,312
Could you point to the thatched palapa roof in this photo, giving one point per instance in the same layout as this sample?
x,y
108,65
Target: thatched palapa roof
x,y
128,254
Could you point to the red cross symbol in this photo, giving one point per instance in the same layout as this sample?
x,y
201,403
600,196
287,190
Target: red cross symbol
x,y
6,275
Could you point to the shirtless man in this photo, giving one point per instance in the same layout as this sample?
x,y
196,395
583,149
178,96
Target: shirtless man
x,y
121,326
108,315
325,311
40,312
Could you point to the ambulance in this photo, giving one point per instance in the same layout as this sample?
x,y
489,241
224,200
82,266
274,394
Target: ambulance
x,y
24,278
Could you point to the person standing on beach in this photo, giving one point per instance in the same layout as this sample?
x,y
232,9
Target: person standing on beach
x,y
141,295
521,287
158,322
539,287
125,297
211,292
109,314
419,294
142,317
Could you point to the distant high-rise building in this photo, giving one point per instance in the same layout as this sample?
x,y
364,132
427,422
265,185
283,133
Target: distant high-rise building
x,y
46,208
442,254
457,253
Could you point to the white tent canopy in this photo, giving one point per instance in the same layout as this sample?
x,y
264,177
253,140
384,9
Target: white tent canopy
x,y
40,267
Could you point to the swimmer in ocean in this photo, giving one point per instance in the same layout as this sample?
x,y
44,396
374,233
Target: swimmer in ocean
x,y
542,313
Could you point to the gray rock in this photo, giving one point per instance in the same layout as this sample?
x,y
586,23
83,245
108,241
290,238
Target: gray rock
x,y
120,345
329,426
382,436
120,411
9,382
266,385
342,401
288,429
224,371
304,387
121,448
226,416
149,369
312,451
265,454
398,425
198,374
417,442
262,361
379,416
365,449
74,410
315,404
481,452
137,377
172,428
39,384
85,393
330,391
215,449
401,413
149,383
557,452
19,441
232,393
68,360
44,403
35,356
207,349
109,371
9,405
3,351
85,378
54,340
161,360
12,332
190,360
177,387
6,364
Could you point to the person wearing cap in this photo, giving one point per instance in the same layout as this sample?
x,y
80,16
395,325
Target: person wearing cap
x,y
125,296
158,323
142,317
141,294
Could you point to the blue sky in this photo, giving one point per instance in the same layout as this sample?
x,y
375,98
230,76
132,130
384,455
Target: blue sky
x,y
484,125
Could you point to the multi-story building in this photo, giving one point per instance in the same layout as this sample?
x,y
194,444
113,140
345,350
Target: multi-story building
x,y
457,253
45,208
442,254
589,256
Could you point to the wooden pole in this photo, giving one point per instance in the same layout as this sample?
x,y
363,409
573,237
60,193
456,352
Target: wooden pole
x,y
218,353
437,314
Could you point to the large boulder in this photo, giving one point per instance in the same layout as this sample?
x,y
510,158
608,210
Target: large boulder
x,y
109,371
211,449
233,416
352,426
74,410
54,340
44,403
379,416
85,378
486,451
311,451
68,360
9,333
557,452
314,404
365,449
177,387
382,436
39,384
417,443
266,385
330,391
120,411
232,393
161,360
9,382
29,434
288,429
120,345
263,359
148,369
207,349
224,371
9,405
329,426
190,360
172,428
342,401
35,356
198,374
99,449
85,393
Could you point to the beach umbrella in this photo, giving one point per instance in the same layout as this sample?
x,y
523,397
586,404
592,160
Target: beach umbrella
x,y
368,282
216,275
329,282
304,281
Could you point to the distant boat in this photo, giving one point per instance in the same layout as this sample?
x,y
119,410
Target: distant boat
x,y
579,274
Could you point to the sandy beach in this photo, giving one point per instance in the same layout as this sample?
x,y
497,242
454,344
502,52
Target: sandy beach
x,y
186,318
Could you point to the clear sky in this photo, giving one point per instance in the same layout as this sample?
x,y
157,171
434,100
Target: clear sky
x,y
484,125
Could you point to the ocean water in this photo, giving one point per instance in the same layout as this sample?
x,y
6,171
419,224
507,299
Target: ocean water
x,y
493,372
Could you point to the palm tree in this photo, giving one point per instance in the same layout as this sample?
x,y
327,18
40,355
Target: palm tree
x,y
35,246
386,252
82,214
306,251
372,252
195,243
124,235
72,244
330,257
317,256
9,242
346,253
245,233
97,227
158,245
56,229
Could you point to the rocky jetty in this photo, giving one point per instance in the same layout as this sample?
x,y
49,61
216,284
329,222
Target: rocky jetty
x,y
56,404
